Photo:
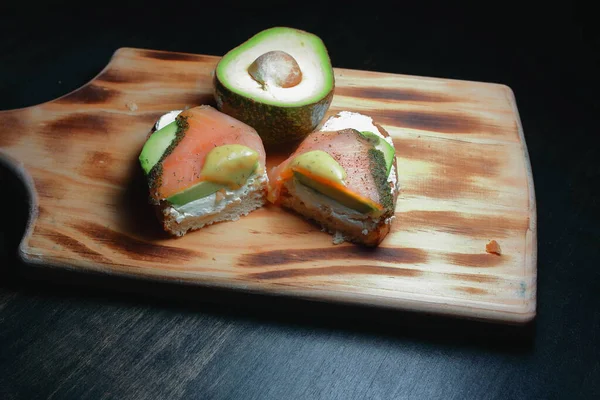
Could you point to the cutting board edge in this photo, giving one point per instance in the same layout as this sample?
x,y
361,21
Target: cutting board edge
x,y
336,69
339,69
18,169
432,305
89,82
531,236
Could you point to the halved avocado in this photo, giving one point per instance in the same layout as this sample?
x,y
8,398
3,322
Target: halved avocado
x,y
280,82
389,153
156,145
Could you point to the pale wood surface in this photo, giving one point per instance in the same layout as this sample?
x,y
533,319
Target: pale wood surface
x,y
464,172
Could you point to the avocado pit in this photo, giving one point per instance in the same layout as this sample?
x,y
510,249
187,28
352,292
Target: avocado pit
x,y
276,68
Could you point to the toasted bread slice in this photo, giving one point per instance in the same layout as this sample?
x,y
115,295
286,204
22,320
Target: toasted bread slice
x,y
223,206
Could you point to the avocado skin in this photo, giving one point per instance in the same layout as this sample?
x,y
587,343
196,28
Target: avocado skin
x,y
388,151
155,174
276,125
378,168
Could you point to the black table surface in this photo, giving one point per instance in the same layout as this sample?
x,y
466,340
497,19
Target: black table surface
x,y
69,335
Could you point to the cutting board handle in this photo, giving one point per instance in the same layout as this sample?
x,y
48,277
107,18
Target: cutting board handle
x,y
17,168
61,148
32,141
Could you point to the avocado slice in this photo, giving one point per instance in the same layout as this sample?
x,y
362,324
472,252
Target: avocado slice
x,y
198,191
389,153
343,197
227,166
156,145
317,168
280,82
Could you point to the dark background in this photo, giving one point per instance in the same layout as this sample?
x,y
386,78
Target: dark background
x,y
64,335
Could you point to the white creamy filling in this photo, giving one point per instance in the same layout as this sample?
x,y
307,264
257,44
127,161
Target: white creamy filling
x,y
216,202
316,201
166,119
308,61
360,122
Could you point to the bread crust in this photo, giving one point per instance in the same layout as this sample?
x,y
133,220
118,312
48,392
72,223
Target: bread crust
x,y
368,232
253,200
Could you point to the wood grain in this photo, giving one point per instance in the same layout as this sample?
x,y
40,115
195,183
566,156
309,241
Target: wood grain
x,y
464,172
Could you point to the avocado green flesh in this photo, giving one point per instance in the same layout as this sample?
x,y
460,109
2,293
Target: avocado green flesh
x,y
206,188
155,146
283,39
341,197
389,153
198,191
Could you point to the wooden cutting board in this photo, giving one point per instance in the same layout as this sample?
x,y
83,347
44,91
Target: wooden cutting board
x,y
464,172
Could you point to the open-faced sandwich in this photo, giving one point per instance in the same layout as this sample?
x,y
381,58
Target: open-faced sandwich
x,y
342,176
203,167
